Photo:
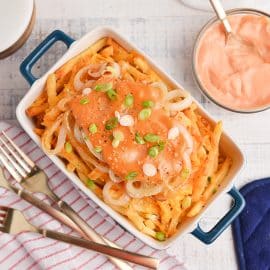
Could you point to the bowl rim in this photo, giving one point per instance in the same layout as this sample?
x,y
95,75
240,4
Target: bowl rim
x,y
77,47
194,55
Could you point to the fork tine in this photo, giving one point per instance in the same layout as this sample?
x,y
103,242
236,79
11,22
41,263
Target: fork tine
x,y
17,167
2,219
2,215
15,222
16,156
11,170
24,157
6,215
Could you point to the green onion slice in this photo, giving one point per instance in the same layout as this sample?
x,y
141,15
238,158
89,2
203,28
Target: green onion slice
x,y
93,128
150,137
161,145
148,104
118,135
90,183
129,100
111,123
68,147
131,175
144,114
160,236
112,95
139,139
98,149
84,101
103,87
153,151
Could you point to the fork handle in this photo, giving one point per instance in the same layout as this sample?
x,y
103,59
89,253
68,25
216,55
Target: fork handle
x,y
100,248
69,218
27,196
92,235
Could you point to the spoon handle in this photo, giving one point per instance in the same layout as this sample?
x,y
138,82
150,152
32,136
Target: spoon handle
x,y
218,8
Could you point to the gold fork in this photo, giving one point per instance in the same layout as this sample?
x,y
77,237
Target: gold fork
x,y
13,222
33,179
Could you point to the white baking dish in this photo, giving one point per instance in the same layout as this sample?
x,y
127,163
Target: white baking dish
x,y
227,145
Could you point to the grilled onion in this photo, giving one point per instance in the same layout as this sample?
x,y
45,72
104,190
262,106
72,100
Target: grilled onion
x,y
122,200
79,84
114,178
144,189
178,105
48,135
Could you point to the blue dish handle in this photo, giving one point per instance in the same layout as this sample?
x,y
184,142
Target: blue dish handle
x,y
210,236
28,63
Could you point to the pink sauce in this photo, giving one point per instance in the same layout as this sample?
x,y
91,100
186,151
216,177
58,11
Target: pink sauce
x,y
236,77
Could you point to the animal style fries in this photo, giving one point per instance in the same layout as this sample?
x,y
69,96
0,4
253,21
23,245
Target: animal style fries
x,y
139,144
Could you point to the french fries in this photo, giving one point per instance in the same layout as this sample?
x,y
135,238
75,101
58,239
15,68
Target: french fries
x,y
51,90
211,164
163,213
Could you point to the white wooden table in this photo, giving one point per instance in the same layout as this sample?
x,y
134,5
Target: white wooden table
x,y
166,30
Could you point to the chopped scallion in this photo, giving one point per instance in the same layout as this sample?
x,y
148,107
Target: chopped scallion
x,y
93,128
160,236
129,100
148,104
161,145
68,147
84,101
98,149
112,95
118,135
131,175
144,114
111,123
90,183
153,151
150,137
139,139
103,87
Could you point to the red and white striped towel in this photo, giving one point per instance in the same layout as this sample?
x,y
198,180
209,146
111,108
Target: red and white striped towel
x,y
33,251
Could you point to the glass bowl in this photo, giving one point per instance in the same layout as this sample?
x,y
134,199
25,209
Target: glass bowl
x,y
241,11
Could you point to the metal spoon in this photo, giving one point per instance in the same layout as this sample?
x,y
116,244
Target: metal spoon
x,y
232,40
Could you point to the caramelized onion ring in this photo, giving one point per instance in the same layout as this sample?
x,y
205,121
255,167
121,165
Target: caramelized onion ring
x,y
114,178
78,84
122,200
145,189
46,140
179,105
77,133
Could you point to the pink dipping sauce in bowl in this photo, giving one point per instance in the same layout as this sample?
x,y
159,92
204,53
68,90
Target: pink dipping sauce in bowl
x,y
235,77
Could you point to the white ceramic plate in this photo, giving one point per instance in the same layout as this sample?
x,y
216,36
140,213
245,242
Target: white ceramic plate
x,y
15,16
227,145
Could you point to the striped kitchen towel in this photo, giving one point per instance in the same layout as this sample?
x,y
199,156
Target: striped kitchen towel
x,y
33,251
